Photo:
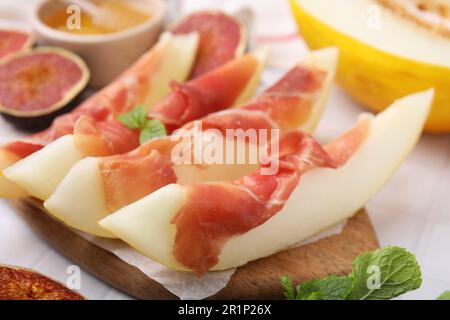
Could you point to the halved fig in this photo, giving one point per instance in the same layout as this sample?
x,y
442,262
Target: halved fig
x,y
23,284
222,38
38,85
13,41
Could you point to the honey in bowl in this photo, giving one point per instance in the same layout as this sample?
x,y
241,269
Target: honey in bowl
x,y
115,15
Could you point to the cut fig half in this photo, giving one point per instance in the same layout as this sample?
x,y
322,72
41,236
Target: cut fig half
x,y
222,38
14,40
23,284
38,85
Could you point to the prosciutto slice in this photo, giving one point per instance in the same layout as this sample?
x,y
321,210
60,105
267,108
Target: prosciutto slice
x,y
216,90
143,171
207,221
103,138
285,105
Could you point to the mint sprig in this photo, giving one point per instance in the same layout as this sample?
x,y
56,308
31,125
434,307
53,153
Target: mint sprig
x,y
149,128
135,119
398,273
331,288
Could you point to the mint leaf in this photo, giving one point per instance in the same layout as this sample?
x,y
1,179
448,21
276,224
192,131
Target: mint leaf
x,y
289,290
331,288
135,119
149,128
381,274
312,296
152,129
398,274
444,296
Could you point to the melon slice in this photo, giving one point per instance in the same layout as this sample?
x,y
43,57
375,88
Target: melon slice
x,y
324,198
222,38
41,172
9,188
174,63
85,181
14,40
389,49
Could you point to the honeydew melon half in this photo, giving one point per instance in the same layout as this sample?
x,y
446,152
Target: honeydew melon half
x,y
79,200
324,197
385,54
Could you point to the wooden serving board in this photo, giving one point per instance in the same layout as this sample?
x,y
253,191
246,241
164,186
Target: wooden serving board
x,y
257,280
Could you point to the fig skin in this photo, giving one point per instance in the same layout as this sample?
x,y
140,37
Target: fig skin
x,y
34,124
41,118
23,284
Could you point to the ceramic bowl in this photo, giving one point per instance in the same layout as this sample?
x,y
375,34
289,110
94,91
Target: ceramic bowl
x,y
107,55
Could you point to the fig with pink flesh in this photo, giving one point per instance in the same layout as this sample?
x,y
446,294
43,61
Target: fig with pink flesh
x,y
38,85
12,41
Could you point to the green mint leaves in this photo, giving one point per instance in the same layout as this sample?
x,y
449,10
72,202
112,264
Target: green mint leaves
x,y
152,129
149,128
135,119
382,274
331,288
399,273
444,296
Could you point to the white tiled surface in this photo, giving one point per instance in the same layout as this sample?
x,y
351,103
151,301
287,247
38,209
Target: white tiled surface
x,y
412,211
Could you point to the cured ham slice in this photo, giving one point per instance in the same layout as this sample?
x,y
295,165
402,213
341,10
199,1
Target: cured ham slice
x,y
206,222
103,190
108,137
227,236
143,171
103,138
215,28
216,90
286,105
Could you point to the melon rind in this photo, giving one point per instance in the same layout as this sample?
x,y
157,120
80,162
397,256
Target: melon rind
x,y
378,66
